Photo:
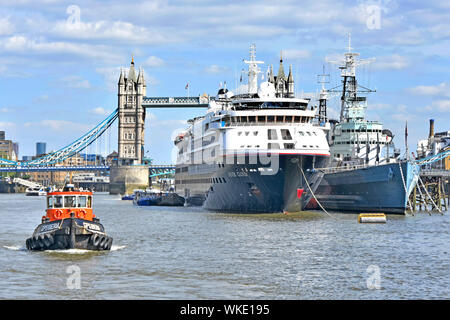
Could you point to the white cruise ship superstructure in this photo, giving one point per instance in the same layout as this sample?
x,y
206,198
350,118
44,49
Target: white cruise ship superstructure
x,y
253,152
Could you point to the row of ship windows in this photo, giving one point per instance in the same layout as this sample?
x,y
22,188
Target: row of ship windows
x,y
362,130
267,119
360,142
196,181
285,134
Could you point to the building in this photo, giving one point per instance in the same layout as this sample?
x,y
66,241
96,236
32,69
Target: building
x,y
8,149
284,86
27,158
40,148
112,158
436,143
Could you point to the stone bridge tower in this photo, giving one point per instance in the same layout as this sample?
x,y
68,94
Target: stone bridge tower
x,y
131,118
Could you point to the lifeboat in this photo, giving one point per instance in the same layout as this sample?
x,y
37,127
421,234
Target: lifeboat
x,y
69,223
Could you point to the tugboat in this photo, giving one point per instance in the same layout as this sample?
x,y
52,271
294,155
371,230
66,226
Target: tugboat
x,y
69,223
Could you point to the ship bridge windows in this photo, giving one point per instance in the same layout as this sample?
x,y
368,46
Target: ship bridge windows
x,y
289,146
273,146
286,134
49,202
69,201
82,202
58,203
272,134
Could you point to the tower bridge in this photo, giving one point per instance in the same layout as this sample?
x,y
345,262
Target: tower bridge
x,y
129,173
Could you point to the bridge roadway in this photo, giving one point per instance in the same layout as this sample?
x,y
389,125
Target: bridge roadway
x,y
176,102
153,168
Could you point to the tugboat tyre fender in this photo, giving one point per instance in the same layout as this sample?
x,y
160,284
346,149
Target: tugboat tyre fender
x,y
110,241
106,244
34,243
48,240
103,240
95,239
40,241
28,244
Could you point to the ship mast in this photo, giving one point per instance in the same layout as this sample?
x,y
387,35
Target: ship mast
x,y
253,70
323,96
349,83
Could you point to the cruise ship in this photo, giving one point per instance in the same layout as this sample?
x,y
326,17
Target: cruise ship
x,y
255,151
366,173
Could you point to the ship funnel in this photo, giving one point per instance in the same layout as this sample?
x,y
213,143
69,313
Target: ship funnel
x,y
431,135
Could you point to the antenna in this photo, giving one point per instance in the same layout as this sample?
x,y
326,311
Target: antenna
x,y
349,42
253,70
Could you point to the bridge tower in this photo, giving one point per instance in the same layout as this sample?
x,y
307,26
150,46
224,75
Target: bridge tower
x,y
131,118
130,173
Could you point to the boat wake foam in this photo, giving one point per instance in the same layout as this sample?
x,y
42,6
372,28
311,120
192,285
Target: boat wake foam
x,y
67,251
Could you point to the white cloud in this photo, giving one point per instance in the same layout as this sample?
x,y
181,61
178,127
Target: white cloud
x,y
24,45
153,61
6,27
215,69
59,126
441,105
394,62
442,89
75,82
6,125
296,54
111,30
101,111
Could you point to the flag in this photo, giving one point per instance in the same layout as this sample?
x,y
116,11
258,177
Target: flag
x,y
241,78
187,85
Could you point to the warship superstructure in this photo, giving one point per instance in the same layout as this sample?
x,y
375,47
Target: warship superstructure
x,y
366,173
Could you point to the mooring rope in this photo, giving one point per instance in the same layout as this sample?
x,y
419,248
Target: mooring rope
x,y
306,180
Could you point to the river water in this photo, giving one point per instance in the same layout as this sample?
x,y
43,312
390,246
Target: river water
x,y
189,253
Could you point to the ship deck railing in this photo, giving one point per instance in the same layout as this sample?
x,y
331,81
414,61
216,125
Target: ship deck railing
x,y
348,168
245,124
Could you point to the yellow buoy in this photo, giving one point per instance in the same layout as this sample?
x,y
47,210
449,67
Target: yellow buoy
x,y
372,218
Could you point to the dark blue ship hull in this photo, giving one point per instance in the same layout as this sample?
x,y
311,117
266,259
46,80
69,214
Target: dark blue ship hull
x,y
247,188
372,189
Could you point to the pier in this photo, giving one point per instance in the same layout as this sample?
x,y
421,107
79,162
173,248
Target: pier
x,y
431,193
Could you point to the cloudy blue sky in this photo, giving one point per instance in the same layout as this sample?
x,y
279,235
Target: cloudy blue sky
x,y
60,60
